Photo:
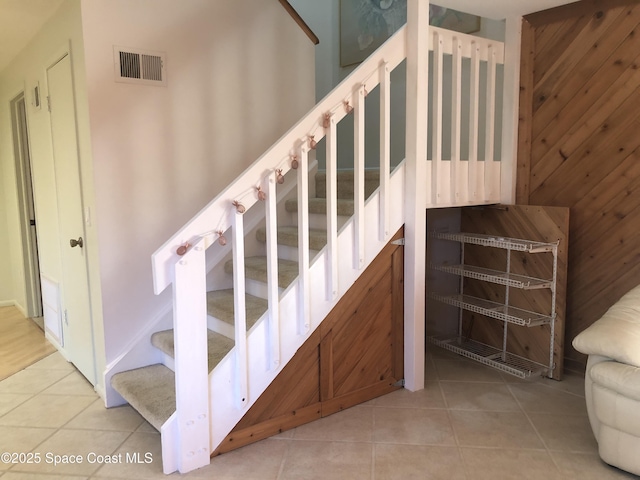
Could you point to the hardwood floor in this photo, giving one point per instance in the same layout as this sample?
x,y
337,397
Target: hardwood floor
x,y
22,343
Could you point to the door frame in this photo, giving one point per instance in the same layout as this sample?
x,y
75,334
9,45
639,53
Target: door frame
x,y
26,206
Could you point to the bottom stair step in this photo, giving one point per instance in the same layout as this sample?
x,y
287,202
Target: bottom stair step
x,y
150,390
217,345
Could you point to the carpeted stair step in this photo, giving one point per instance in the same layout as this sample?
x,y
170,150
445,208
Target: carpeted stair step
x,y
345,183
150,390
288,236
218,345
220,304
319,206
256,269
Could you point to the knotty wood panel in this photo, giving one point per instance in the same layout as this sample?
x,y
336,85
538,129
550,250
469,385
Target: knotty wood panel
x,y
364,334
580,146
356,354
545,224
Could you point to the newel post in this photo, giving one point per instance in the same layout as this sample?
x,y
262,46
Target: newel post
x,y
416,193
191,365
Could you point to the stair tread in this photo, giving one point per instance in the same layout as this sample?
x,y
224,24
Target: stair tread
x,y
217,345
150,390
256,269
319,206
345,183
220,304
289,236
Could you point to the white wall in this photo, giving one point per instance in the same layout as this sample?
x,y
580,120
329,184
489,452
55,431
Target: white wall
x,y
324,20
8,294
238,77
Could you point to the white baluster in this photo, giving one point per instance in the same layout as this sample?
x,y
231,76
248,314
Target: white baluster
x,y
358,178
458,194
436,122
474,122
332,211
273,293
240,312
304,316
490,186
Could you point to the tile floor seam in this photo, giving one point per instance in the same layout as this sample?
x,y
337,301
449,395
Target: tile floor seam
x,y
285,455
557,389
373,461
35,448
111,453
546,447
373,445
72,418
21,403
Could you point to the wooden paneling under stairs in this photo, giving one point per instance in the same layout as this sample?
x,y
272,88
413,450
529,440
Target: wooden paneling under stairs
x,y
542,224
580,145
355,355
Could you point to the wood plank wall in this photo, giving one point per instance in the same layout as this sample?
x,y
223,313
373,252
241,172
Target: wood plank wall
x,y
579,146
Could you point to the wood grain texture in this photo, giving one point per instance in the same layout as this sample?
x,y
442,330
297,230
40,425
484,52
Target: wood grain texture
x,y
545,224
525,116
356,354
22,343
580,147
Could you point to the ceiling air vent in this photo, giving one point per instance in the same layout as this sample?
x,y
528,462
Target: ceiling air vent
x,y
139,66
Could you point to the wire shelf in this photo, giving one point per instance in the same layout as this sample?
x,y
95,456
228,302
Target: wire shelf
x,y
496,310
497,242
495,276
491,356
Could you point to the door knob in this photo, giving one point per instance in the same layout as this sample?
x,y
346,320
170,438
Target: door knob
x,y
76,243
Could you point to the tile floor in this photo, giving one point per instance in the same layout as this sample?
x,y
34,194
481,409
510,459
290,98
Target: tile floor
x,y
470,422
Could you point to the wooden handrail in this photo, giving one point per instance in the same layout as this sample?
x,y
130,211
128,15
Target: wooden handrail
x,y
303,25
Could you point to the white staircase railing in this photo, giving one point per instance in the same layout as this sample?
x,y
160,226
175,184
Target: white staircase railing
x,y
209,407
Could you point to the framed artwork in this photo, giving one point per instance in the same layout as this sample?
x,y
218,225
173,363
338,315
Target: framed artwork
x,y
366,24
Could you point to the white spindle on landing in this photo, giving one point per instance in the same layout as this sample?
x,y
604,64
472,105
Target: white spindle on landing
x,y
474,188
385,148
490,188
458,194
438,190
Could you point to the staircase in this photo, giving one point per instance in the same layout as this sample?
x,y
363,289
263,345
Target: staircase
x,y
244,304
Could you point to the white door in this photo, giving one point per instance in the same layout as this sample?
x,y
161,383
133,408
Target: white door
x,y
76,307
